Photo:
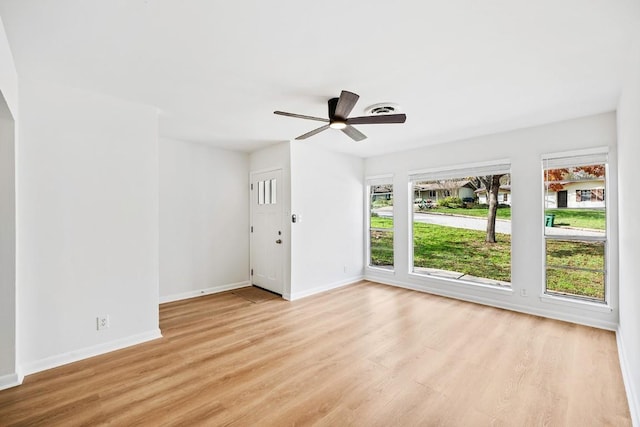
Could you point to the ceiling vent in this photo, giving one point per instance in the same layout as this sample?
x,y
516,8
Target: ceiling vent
x,y
382,108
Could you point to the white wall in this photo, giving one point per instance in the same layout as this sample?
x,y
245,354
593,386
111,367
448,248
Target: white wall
x,y
327,242
204,219
7,249
524,148
278,156
8,113
629,154
87,207
8,75
324,249
273,157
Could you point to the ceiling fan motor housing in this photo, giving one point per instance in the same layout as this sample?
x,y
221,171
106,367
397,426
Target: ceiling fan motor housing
x,y
335,122
333,102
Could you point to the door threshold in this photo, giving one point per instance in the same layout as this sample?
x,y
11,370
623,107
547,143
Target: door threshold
x,y
267,290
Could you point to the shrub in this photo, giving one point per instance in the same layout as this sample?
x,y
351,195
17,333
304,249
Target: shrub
x,y
451,202
378,203
425,205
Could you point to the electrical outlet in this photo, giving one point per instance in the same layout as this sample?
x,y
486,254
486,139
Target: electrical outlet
x,y
102,322
523,292
345,268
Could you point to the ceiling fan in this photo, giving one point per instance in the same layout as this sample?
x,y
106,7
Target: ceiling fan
x,y
339,109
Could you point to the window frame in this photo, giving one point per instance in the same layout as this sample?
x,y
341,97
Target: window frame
x,y
370,182
455,172
581,158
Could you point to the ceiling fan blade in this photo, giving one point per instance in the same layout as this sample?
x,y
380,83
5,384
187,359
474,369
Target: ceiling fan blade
x,y
382,118
354,133
346,102
300,116
313,132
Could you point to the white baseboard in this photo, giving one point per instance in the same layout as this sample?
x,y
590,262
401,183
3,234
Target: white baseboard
x,y
307,293
202,292
632,394
85,353
10,380
551,314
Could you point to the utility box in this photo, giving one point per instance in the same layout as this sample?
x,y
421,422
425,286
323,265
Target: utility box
x,y
548,220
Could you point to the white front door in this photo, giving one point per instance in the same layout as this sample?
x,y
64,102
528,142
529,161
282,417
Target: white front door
x,y
266,231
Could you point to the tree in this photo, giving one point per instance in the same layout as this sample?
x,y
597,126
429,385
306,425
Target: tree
x,y
552,177
491,184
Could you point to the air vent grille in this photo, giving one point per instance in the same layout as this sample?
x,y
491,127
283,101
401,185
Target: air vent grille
x,y
382,108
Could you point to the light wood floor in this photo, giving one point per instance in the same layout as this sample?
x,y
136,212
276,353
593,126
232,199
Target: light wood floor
x,y
366,354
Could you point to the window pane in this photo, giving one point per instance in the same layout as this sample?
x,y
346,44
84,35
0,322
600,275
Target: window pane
x,y
382,206
273,191
454,234
261,192
267,192
575,230
577,283
574,200
576,268
381,226
461,254
381,248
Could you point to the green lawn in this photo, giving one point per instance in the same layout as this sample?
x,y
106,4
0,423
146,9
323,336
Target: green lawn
x,y
458,249
381,222
581,218
381,242
464,251
447,248
584,255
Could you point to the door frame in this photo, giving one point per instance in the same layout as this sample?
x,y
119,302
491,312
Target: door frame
x,y
285,235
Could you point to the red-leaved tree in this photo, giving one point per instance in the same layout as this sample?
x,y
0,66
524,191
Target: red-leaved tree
x,y
553,177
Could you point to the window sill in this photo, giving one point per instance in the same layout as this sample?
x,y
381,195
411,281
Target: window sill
x,y
568,301
383,270
468,284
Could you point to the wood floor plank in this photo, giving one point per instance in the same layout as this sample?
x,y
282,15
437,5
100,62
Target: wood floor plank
x,y
363,355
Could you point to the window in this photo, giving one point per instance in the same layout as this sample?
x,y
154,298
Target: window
x,y
575,231
463,237
432,194
590,195
267,192
381,224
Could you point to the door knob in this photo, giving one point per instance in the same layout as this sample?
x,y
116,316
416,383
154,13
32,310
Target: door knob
x,y
278,241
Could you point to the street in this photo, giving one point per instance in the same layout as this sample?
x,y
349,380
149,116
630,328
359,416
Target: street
x,y
475,223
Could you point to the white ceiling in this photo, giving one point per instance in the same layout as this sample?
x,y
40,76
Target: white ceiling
x,y
218,69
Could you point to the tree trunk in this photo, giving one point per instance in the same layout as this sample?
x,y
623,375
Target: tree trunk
x,y
492,195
